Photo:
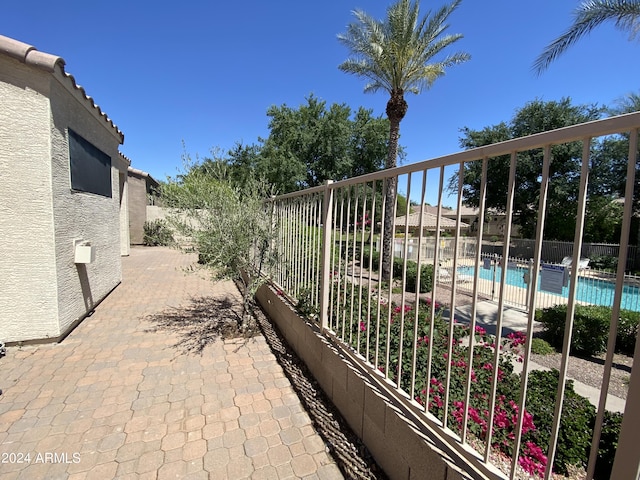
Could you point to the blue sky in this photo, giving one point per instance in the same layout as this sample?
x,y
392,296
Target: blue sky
x,y
205,72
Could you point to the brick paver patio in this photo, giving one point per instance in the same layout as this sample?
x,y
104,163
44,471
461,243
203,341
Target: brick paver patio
x,y
135,393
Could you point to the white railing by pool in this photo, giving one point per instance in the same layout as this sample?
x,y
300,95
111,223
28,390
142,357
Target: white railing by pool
x,y
453,374
595,286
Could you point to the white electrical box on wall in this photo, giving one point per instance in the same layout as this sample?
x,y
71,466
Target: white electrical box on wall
x,y
84,252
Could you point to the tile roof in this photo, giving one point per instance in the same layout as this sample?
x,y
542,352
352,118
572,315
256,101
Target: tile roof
x,y
142,174
125,158
53,64
428,221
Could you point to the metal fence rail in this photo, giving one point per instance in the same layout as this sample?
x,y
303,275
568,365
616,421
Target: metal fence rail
x,y
554,251
454,374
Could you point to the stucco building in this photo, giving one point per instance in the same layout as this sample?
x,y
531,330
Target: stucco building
x,y
495,222
143,188
63,197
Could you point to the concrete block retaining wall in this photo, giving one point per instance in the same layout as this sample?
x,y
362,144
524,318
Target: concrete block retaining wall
x,y
404,448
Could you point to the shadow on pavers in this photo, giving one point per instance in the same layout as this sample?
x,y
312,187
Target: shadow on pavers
x,y
200,323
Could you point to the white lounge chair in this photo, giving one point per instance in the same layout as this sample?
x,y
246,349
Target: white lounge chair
x,y
582,264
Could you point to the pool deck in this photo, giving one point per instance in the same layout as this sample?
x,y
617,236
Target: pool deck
x,y
141,389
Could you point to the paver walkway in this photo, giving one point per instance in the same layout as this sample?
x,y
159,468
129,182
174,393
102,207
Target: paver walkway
x,y
134,392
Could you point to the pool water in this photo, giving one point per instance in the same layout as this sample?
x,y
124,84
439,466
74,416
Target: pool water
x,y
594,291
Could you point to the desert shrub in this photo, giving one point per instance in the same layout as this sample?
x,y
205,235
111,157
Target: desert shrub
x,y
576,425
228,223
157,232
590,328
540,346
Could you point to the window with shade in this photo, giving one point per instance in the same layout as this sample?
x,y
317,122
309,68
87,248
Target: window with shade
x,y
90,167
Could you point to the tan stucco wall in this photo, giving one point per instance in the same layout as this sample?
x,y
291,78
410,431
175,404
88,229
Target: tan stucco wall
x,y
125,240
79,215
137,208
43,292
28,300
155,212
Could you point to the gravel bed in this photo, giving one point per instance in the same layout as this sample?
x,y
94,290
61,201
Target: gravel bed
x,y
590,370
350,453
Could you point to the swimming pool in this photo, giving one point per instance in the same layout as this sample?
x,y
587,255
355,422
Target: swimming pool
x,y
590,290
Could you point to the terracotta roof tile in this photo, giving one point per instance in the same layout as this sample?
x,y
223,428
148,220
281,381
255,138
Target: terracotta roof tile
x,y
125,158
429,221
142,174
29,55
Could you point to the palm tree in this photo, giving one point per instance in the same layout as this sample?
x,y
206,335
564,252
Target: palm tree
x,y
394,55
626,104
625,13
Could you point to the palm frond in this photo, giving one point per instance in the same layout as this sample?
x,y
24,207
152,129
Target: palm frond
x,y
591,14
395,54
626,104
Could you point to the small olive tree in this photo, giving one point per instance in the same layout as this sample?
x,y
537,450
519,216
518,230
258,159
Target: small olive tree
x,y
228,224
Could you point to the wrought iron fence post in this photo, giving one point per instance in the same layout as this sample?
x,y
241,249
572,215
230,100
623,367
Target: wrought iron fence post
x,y
325,282
528,277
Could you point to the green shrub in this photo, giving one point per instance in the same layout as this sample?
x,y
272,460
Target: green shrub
x,y
603,262
608,444
540,346
590,328
369,258
157,232
576,424
403,332
426,271
305,306
426,277
627,331
397,267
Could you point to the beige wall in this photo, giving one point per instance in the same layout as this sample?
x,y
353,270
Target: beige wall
x,y
47,292
28,299
155,212
137,207
125,234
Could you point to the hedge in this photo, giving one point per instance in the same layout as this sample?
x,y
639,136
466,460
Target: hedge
x,y
426,271
590,328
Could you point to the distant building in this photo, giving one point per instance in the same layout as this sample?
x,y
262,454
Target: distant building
x,y
143,189
63,200
429,221
494,221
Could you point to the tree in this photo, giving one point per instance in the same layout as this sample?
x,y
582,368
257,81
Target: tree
x,y
626,104
244,163
312,143
603,220
620,144
226,223
589,15
395,55
535,117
